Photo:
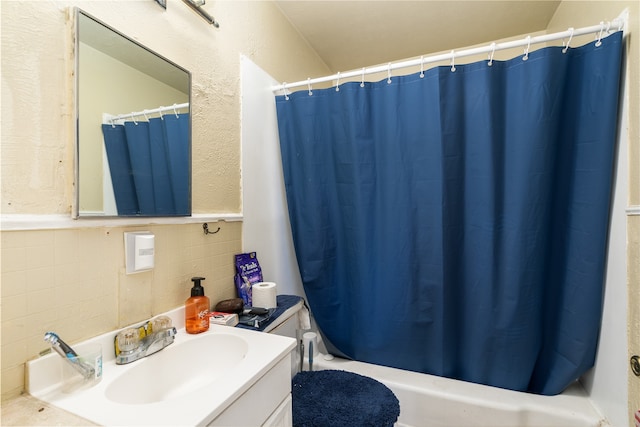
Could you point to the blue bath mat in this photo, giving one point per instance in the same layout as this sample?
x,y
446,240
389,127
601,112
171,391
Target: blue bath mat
x,y
333,398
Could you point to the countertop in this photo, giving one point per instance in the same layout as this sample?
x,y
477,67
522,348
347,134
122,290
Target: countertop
x,y
26,410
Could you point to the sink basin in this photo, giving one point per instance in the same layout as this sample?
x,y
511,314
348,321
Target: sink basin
x,y
199,362
198,380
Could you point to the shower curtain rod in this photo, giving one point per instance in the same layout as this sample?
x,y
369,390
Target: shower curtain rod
x,y
600,31
108,118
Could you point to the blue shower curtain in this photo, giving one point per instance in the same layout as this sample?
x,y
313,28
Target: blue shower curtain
x,y
456,224
149,164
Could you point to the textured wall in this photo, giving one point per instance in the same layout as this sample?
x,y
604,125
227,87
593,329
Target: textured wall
x,y
73,280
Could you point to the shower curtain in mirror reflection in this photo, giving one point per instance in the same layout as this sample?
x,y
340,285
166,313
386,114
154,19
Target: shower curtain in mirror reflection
x,y
149,163
456,224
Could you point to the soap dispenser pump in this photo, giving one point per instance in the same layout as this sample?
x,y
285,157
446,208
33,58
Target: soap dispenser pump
x,y
196,309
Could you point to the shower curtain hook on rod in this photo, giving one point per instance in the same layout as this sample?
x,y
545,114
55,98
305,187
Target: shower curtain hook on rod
x,y
134,120
422,67
526,50
309,85
338,83
493,51
453,61
362,82
389,73
284,89
176,111
599,42
569,42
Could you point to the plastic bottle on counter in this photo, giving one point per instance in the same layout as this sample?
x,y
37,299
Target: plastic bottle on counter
x,y
196,309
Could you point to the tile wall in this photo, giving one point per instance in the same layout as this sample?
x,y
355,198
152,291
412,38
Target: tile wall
x,y
73,282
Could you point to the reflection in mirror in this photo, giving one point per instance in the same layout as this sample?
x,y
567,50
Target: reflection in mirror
x,y
133,136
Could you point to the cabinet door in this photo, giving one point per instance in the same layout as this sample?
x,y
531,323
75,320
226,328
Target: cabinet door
x,y
282,416
260,401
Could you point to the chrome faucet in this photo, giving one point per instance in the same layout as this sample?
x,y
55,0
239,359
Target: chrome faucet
x,y
136,343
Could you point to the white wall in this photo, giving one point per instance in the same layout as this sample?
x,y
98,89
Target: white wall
x,y
606,383
266,228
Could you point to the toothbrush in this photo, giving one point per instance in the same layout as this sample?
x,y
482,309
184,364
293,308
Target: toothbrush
x,y
53,339
67,353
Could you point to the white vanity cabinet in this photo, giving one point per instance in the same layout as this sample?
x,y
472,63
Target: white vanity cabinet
x,y
266,403
243,378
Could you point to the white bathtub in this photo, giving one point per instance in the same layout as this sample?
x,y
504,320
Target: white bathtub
x,y
427,400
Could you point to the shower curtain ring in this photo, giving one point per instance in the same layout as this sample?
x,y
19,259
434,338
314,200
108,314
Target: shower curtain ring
x,y
144,113
133,120
389,73
493,51
526,51
599,42
338,83
569,42
422,67
175,111
309,86
284,89
362,81
160,112
453,61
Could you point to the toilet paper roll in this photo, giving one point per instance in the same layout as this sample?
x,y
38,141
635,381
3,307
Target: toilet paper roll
x,y
264,294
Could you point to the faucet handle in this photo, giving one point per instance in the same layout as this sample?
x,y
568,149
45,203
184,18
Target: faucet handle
x,y
160,323
127,340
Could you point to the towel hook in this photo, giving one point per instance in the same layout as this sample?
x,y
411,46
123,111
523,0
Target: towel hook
x,y
338,83
309,86
569,42
205,227
526,50
599,42
389,73
422,67
453,61
493,51
362,81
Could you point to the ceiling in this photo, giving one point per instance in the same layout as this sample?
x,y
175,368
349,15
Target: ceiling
x,y
348,35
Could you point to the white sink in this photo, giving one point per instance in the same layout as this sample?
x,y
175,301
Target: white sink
x,y
190,382
153,380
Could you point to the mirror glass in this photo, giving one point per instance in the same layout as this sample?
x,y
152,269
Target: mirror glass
x,y
133,143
